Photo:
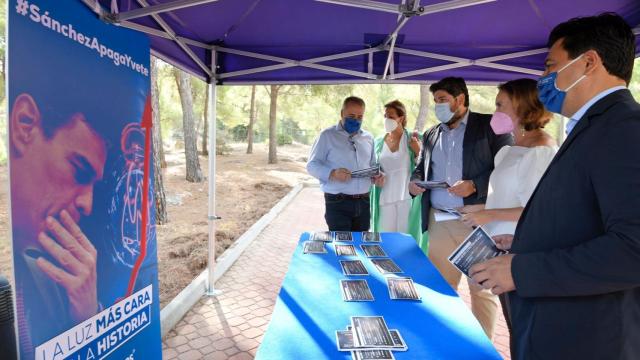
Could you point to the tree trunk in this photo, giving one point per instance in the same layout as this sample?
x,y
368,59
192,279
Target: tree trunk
x,y
158,184
252,120
205,127
273,138
155,104
194,173
421,120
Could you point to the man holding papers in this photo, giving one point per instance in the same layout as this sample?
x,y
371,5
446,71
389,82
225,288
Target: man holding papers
x,y
458,152
572,277
342,158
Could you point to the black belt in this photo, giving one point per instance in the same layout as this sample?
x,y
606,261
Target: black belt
x,y
345,196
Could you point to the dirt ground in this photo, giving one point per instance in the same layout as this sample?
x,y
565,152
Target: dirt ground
x,y
246,188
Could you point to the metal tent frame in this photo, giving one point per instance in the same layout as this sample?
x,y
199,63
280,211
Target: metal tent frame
x,y
405,11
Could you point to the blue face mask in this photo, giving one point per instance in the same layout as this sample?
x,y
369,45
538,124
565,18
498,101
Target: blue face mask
x,y
550,96
351,125
444,113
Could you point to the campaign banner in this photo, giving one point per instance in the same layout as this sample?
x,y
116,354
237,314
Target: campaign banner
x,y
83,226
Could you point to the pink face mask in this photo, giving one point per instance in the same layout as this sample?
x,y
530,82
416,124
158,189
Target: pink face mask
x,y
501,123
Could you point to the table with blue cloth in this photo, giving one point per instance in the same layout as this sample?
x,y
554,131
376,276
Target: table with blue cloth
x,y
310,307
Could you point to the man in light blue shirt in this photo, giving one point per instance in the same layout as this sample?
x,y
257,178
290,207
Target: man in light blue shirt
x,y
446,164
339,151
459,151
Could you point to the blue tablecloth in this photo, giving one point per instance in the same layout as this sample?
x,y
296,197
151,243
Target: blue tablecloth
x,y
310,308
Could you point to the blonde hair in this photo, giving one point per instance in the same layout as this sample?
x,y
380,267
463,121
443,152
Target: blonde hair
x,y
400,110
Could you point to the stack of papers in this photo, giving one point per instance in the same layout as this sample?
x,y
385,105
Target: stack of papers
x,y
373,250
353,267
325,236
369,338
371,237
345,250
343,236
447,214
476,248
356,290
453,211
366,173
430,184
314,247
386,266
402,288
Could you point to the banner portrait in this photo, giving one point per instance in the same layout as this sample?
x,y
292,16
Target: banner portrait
x,y
83,226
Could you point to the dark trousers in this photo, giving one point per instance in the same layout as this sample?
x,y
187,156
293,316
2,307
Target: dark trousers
x,y
504,302
345,213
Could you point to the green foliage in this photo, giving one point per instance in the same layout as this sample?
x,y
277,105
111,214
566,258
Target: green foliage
x,y
291,128
222,148
170,106
303,111
284,139
239,132
634,86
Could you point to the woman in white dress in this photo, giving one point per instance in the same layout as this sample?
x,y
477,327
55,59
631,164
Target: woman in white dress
x,y
518,168
396,151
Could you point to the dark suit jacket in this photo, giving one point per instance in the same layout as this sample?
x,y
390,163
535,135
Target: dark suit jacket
x,y
480,146
577,245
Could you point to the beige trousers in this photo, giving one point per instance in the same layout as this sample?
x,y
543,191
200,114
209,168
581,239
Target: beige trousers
x,y
444,238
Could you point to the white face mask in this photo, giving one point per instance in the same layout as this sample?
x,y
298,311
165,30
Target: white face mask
x,y
444,113
390,125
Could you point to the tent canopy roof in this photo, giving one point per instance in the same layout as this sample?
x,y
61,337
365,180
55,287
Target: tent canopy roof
x,y
349,41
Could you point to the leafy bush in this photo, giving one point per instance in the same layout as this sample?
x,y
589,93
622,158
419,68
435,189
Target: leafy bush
x,y
239,132
221,143
284,139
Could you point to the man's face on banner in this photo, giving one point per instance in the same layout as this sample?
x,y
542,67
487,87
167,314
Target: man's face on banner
x,y
51,173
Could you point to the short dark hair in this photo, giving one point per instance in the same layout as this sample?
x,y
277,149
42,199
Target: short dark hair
x,y
454,86
352,100
108,98
523,94
399,109
608,34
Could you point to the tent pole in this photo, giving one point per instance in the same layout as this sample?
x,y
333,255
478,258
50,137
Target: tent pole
x,y
389,58
174,36
95,6
211,118
159,8
449,5
288,63
162,34
366,4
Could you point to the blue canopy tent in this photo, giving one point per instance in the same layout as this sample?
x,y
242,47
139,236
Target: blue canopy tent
x,y
227,42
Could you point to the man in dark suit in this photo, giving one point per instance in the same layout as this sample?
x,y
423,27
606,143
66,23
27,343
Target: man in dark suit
x,y
460,152
574,273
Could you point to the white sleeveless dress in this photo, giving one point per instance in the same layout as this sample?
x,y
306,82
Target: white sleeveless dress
x,y
395,200
516,174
